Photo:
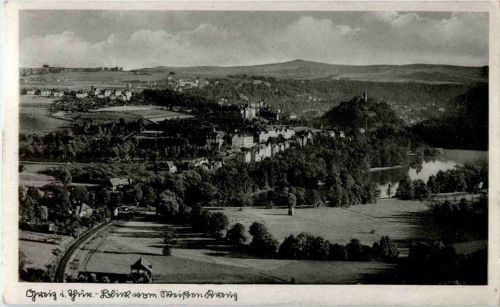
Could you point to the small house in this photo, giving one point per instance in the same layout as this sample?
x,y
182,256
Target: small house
x,y
81,95
171,168
141,267
84,210
128,94
118,183
45,93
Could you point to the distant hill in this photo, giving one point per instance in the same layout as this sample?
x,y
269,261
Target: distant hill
x,y
299,69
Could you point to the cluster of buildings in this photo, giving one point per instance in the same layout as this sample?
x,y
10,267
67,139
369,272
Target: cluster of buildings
x,y
267,142
118,94
44,93
254,110
183,84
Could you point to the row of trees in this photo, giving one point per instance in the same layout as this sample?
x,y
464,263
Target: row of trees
x,y
467,178
309,247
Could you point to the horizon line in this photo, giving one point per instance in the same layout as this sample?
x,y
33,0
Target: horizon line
x,y
264,64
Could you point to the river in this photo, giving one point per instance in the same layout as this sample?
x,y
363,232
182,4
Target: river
x,y
424,168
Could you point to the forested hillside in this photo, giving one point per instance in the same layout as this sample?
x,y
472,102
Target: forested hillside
x,y
465,127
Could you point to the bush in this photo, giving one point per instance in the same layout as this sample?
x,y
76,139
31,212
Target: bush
x,y
257,229
167,251
35,275
358,252
236,235
385,249
218,222
263,243
337,252
304,246
319,248
290,248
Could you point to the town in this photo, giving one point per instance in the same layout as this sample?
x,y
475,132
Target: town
x,y
125,158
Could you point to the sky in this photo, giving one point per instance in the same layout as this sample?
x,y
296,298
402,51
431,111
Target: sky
x,y
138,39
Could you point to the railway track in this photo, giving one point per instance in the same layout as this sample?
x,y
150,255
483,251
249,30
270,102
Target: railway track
x,y
63,263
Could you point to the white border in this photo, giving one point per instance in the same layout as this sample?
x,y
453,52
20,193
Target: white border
x,y
14,292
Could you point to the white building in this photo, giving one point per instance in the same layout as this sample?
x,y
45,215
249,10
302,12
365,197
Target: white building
x,y
248,112
81,95
128,94
172,169
107,93
242,140
45,93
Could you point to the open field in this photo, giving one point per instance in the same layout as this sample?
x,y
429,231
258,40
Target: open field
x,y
39,253
34,116
150,112
392,217
133,112
200,259
31,174
83,80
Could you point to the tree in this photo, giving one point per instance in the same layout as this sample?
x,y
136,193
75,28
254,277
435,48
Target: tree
x,y
290,248
421,191
405,189
79,195
27,210
337,252
318,248
66,177
263,243
389,190
148,195
291,200
236,235
169,204
257,229
385,249
218,223
370,194
335,195
135,195
354,250
169,239
312,198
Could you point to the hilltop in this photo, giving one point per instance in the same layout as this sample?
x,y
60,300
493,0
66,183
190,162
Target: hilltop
x,y
300,69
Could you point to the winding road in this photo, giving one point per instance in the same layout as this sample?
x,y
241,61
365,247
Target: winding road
x,y
61,267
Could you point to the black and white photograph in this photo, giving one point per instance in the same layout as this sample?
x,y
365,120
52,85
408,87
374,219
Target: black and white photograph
x,y
253,147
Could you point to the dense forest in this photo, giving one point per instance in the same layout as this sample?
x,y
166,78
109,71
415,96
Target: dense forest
x,y
301,95
465,127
